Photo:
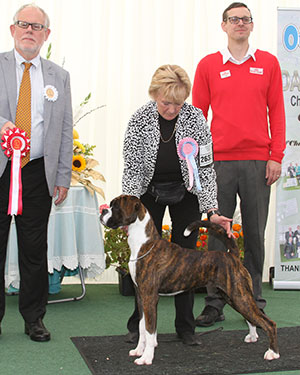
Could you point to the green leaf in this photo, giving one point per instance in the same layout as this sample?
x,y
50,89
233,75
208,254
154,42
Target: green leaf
x,y
86,99
49,51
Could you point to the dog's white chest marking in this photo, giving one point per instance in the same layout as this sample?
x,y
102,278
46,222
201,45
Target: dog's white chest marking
x,y
136,238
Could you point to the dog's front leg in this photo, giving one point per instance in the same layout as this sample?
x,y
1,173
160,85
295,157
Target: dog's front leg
x,y
148,333
145,347
139,350
147,357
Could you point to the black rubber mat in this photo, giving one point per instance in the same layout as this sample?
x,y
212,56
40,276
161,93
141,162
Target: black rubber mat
x,y
222,353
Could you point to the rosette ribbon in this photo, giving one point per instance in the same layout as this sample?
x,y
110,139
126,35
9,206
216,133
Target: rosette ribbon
x,y
187,150
15,144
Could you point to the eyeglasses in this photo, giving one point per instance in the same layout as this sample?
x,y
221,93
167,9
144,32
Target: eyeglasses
x,y
34,26
235,20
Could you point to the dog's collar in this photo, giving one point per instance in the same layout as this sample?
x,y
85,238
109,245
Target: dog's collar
x,y
138,258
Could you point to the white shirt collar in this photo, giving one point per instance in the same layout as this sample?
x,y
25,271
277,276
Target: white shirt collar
x,y
20,59
227,56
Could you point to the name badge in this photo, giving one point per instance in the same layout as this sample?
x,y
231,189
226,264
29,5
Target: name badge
x,y
205,155
225,74
259,71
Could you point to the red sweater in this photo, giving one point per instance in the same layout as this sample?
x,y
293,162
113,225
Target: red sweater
x,y
242,97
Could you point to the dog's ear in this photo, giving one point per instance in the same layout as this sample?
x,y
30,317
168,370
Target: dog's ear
x,y
114,203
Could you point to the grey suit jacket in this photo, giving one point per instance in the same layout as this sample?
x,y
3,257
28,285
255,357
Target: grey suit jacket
x,y
58,121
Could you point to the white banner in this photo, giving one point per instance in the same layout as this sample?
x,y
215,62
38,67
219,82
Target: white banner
x,y
287,244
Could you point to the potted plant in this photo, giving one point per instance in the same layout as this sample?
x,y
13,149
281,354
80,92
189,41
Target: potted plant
x,y
117,254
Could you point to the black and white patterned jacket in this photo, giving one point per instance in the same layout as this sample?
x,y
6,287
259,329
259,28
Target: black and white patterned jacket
x,y
141,145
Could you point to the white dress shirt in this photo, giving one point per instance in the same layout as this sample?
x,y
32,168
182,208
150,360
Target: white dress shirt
x,y
227,56
37,102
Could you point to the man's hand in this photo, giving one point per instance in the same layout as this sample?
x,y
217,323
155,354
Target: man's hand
x,y
7,125
273,171
62,194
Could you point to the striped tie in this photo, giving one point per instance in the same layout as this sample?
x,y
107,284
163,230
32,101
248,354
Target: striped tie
x,y
23,115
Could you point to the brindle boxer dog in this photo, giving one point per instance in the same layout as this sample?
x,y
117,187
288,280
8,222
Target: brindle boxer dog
x,y
159,267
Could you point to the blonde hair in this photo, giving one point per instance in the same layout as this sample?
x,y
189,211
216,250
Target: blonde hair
x,y
32,5
172,82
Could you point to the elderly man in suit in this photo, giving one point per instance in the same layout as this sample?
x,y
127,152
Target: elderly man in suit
x,y
48,171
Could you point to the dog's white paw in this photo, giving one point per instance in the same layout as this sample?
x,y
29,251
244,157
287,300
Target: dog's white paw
x,y
146,358
251,338
186,232
143,361
270,355
138,351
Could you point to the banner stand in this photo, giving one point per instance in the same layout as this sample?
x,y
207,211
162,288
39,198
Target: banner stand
x,y
287,242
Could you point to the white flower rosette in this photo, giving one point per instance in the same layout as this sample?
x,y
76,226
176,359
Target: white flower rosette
x,y
50,93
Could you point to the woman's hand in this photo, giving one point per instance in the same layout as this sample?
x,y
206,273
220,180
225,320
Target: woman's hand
x,y
224,221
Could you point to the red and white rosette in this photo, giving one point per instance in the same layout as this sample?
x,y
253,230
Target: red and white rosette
x,y
15,144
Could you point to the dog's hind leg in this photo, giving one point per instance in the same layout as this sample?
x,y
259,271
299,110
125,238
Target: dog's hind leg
x,y
252,335
245,305
269,327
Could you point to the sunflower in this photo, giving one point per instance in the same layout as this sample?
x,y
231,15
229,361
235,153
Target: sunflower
x,y
75,134
78,163
77,144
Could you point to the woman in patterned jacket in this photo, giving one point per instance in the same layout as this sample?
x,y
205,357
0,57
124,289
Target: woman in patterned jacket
x,y
168,161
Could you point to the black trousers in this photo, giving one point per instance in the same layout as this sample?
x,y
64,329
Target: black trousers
x,y
32,239
181,215
245,178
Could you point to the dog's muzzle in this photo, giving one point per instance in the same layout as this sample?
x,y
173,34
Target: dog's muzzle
x,y
105,216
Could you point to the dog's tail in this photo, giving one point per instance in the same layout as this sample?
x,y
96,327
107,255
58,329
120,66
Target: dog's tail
x,y
217,231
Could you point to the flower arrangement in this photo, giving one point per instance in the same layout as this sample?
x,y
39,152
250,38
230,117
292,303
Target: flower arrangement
x,y
83,165
239,235
202,241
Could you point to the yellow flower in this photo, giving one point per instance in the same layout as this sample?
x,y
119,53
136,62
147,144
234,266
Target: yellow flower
x,y
79,145
78,163
165,227
75,134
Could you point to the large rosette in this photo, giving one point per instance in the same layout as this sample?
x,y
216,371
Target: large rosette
x,y
187,150
15,145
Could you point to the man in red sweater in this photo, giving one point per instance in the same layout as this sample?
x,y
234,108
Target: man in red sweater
x,y
243,86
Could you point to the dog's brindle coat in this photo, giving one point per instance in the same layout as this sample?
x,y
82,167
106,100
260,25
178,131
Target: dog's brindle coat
x,y
160,267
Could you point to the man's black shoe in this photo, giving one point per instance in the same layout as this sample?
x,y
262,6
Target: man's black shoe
x,y
209,317
132,337
189,338
37,331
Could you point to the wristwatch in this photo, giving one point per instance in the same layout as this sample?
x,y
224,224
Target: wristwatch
x,y
213,212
